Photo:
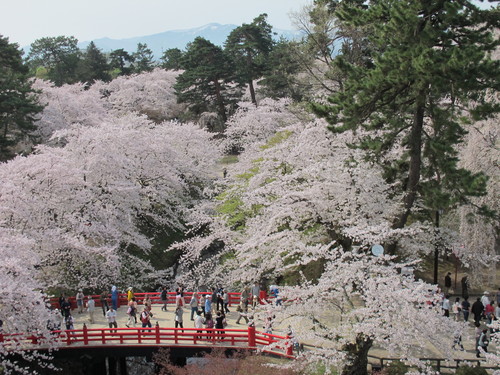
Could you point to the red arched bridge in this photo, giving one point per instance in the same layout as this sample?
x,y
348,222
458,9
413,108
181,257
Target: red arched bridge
x,y
246,339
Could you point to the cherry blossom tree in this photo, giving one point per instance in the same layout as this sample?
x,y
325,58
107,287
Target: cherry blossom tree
x,y
66,107
288,197
298,196
149,93
23,310
362,301
84,203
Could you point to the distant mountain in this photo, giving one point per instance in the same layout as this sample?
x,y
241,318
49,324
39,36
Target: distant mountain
x,y
159,43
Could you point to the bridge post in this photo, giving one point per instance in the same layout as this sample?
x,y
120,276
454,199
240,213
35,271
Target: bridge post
x,y
85,334
157,332
251,337
289,346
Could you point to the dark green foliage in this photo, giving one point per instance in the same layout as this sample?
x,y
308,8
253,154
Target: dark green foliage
x,y
430,64
93,65
59,55
122,61
143,58
280,75
249,47
172,59
206,82
18,102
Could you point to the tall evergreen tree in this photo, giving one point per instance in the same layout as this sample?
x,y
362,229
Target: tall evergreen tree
x,y
18,103
122,61
94,65
249,46
59,55
172,59
144,58
430,76
205,83
280,76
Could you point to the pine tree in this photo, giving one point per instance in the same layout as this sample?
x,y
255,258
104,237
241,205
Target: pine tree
x,y
205,82
144,59
59,55
172,59
280,76
249,46
94,65
430,77
18,102
122,61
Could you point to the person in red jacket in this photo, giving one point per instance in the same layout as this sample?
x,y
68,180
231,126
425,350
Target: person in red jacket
x,y
489,311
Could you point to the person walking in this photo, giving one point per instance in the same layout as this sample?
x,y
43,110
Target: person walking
x,y
130,293
255,294
69,322
466,309
65,308
456,309
104,302
465,286
446,306
447,283
489,311
91,309
209,324
147,303
220,319
220,299
194,305
225,298
485,299
79,301
114,297
111,317
202,304
208,305
482,343
146,316
131,312
242,310
164,298
198,324
477,310
179,311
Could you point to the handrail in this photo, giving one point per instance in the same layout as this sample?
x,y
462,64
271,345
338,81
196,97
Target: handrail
x,y
234,298
249,338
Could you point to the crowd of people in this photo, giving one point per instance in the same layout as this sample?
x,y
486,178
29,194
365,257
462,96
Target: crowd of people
x,y
208,310
483,309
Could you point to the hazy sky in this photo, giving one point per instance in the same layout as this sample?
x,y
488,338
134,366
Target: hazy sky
x,y
24,21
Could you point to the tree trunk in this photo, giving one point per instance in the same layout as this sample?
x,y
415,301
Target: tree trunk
x,y
252,92
415,143
250,81
220,101
357,363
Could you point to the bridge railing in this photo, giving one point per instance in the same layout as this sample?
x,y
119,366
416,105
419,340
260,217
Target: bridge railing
x,y
241,338
234,298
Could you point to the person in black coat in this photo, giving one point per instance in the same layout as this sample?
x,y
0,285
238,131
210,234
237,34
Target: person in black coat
x,y
465,286
447,282
477,310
